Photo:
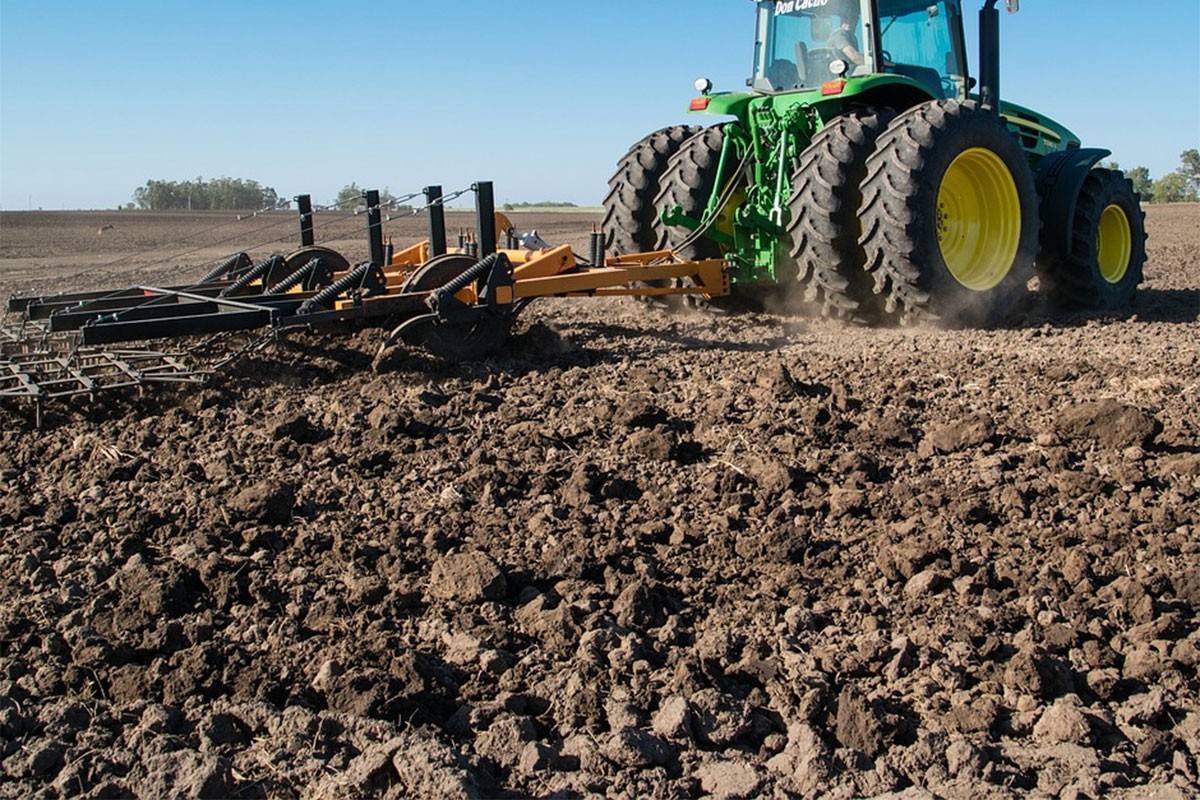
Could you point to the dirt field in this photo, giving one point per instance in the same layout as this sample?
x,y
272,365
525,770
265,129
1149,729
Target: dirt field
x,y
638,555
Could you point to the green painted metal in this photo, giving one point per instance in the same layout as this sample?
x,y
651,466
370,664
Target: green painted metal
x,y
1038,134
740,104
768,133
771,126
775,129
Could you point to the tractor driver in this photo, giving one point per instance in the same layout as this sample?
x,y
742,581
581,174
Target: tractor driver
x,y
844,40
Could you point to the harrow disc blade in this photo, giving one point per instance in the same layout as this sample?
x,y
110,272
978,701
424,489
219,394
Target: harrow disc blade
x,y
458,342
452,341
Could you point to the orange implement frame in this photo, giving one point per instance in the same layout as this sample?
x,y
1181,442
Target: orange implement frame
x,y
618,275
555,272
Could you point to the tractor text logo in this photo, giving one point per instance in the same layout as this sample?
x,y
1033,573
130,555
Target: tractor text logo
x,y
792,6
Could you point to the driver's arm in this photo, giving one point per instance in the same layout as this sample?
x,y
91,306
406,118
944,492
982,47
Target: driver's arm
x,y
845,45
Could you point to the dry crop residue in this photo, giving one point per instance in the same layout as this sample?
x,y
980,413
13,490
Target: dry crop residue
x,y
637,555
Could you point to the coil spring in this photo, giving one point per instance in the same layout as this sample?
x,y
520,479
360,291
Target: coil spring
x,y
597,249
255,272
296,277
235,261
467,277
325,297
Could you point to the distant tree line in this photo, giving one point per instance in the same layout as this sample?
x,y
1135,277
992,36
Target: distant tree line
x,y
218,194
351,197
543,204
1180,186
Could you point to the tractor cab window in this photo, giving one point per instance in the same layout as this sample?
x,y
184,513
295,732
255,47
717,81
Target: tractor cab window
x,y
920,41
804,43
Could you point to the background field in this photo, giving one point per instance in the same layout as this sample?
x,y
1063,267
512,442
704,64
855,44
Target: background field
x,y
637,554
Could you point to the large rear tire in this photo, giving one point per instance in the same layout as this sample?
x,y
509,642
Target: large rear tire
x,y
950,216
629,205
1108,247
688,183
824,227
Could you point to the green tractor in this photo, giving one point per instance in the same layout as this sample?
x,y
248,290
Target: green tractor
x,y
864,167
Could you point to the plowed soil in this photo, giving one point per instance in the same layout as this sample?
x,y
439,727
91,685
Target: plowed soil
x,y
637,555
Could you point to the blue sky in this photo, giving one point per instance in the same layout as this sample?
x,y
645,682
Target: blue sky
x,y
540,96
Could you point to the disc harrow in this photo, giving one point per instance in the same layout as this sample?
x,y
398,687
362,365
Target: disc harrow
x,y
457,303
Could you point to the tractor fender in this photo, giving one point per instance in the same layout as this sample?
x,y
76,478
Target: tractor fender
x,y
1059,178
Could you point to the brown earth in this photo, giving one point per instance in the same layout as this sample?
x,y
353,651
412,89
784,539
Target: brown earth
x,y
637,555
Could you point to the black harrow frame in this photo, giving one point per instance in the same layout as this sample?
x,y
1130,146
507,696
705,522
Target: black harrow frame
x,y
459,303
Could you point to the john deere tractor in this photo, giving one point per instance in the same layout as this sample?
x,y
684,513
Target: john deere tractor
x,y
867,164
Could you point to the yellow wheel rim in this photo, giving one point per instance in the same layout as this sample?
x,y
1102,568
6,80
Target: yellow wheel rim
x,y
1114,244
979,219
727,215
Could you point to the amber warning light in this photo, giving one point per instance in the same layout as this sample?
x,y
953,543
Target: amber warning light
x,y
701,103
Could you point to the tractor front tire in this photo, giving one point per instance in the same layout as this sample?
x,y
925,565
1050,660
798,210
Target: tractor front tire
x,y
950,216
629,206
824,227
1108,247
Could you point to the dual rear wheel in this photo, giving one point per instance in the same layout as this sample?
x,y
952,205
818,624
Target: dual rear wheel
x,y
824,229
949,217
930,215
1107,252
629,207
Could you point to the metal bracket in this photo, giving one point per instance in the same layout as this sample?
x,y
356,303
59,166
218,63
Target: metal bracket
x,y
448,308
675,216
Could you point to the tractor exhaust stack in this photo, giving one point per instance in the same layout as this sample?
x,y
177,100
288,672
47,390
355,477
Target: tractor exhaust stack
x,y
989,56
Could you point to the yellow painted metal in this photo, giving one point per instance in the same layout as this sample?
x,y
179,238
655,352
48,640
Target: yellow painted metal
x,y
405,262
503,223
555,272
540,263
1114,243
615,279
728,213
648,257
413,256
978,219
526,264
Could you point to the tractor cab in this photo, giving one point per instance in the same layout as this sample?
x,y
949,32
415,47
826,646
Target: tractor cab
x,y
803,44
